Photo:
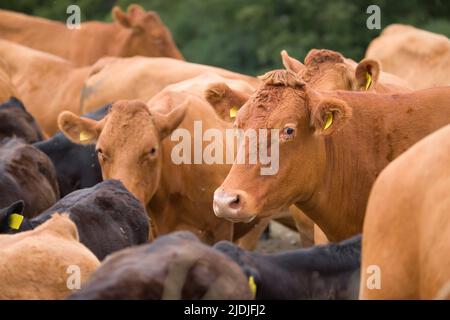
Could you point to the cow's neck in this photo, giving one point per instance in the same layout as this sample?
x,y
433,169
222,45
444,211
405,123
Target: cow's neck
x,y
183,202
120,38
353,158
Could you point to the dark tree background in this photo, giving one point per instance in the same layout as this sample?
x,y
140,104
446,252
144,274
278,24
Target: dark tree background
x,y
248,35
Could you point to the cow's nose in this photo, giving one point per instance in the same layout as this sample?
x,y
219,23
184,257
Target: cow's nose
x,y
231,205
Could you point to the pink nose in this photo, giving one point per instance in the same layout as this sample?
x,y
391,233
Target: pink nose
x,y
231,205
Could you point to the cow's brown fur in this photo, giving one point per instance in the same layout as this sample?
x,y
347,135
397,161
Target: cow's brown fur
x,y
420,57
45,83
113,79
34,264
328,173
135,32
410,200
7,89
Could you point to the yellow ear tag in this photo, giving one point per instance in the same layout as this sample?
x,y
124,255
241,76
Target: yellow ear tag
x,y
252,285
328,122
84,136
233,112
368,80
15,220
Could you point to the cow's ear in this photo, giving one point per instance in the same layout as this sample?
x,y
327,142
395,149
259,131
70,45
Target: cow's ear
x,y
135,13
16,207
330,115
79,130
166,123
135,9
254,279
12,216
291,63
121,17
225,101
367,74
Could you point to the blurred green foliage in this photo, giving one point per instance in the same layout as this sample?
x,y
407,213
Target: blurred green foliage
x,y
248,35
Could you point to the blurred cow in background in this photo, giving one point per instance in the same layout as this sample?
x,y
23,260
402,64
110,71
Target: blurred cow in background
x,y
135,32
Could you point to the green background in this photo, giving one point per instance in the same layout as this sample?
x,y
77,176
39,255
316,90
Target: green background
x,y
247,35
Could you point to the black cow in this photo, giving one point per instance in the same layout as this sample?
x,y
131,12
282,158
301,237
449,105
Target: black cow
x,y
26,174
108,217
174,266
322,272
76,165
15,121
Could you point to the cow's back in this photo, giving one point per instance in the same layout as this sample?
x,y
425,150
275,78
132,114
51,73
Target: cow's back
x,y
420,57
34,32
113,79
36,264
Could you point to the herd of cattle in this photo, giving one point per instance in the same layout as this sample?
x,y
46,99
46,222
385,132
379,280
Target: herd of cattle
x,y
87,182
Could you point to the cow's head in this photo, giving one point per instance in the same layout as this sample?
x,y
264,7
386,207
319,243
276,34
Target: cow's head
x,y
146,34
128,142
329,70
305,119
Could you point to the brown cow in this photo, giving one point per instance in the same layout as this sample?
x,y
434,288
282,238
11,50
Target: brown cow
x,y
407,226
135,32
332,147
323,70
113,79
37,264
420,57
133,149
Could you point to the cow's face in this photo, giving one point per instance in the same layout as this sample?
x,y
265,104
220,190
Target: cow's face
x,y
304,121
146,34
128,143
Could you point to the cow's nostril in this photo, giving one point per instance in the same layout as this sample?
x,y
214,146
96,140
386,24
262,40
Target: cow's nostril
x,y
236,202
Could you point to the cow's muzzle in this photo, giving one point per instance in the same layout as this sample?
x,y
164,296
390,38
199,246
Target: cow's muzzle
x,y
233,205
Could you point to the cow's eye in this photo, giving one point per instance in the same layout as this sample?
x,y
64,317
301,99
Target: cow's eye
x,y
289,131
153,151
